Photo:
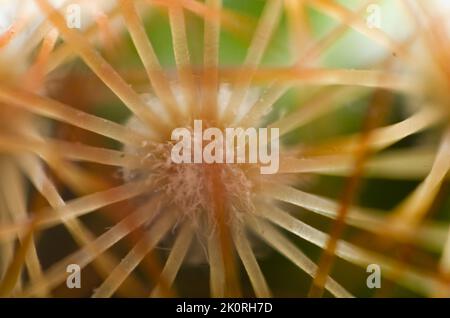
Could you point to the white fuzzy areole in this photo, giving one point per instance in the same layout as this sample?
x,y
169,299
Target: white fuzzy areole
x,y
187,186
